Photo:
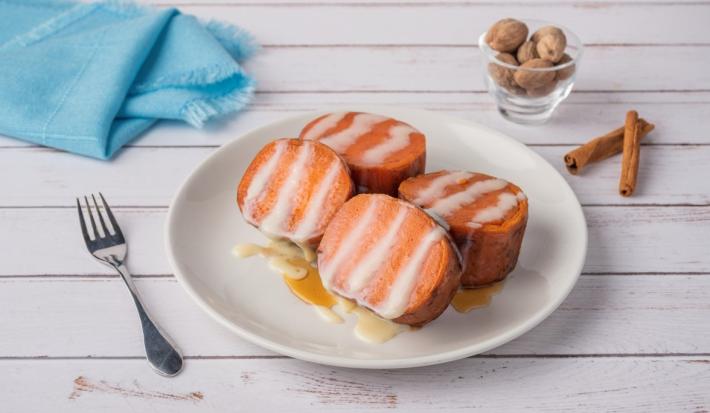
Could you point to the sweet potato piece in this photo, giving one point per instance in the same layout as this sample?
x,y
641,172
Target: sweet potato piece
x,y
390,257
380,151
293,188
486,217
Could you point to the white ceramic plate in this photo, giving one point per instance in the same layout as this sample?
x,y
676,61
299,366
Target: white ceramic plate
x,y
204,224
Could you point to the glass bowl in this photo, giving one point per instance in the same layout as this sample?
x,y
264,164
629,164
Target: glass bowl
x,y
535,104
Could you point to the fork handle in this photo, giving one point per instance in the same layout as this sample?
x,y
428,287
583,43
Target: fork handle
x,y
160,352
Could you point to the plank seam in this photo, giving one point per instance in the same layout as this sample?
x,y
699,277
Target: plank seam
x,y
458,45
280,357
464,91
192,146
139,208
109,277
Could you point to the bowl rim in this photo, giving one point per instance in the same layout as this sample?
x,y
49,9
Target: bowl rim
x,y
491,54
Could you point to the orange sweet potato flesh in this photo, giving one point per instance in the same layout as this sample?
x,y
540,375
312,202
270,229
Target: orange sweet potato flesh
x,y
438,276
383,177
312,177
489,252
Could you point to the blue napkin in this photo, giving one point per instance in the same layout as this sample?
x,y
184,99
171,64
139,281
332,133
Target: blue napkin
x,y
89,78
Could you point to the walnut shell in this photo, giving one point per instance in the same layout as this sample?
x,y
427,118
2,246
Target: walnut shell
x,y
546,30
503,75
527,51
534,80
544,90
551,47
567,72
506,35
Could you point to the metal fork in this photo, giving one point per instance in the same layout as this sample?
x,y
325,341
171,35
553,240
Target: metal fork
x,y
111,250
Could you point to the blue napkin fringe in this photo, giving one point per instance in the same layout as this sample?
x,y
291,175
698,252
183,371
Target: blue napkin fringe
x,y
209,75
197,111
238,42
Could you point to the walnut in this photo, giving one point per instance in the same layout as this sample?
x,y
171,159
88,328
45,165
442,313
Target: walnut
x,y
551,47
527,51
503,76
506,35
566,73
547,30
532,79
544,90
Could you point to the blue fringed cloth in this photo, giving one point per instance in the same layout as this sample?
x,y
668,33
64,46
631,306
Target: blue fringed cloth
x,y
89,78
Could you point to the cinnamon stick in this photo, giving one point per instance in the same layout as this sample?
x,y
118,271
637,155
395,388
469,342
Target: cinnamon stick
x,y
630,157
601,147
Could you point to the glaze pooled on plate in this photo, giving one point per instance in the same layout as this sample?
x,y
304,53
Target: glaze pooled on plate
x,y
304,281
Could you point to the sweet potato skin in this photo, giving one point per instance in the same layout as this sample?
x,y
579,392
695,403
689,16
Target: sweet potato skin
x,y
385,179
491,254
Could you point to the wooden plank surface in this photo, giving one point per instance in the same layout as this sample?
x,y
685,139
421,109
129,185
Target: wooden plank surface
x,y
402,23
631,336
581,117
604,315
456,69
621,239
56,178
588,4
489,385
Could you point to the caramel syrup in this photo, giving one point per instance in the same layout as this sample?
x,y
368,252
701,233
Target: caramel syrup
x,y
304,281
466,299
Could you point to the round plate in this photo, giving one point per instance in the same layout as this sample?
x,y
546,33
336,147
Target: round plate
x,y
204,224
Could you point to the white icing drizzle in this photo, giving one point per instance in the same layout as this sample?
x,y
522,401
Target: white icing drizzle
x,y
350,242
453,202
323,125
283,266
361,124
371,328
277,217
506,202
398,139
314,209
282,257
328,315
261,177
400,292
308,253
247,250
438,185
375,257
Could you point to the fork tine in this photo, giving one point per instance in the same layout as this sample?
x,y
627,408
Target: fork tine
x,y
116,228
101,217
94,229
82,222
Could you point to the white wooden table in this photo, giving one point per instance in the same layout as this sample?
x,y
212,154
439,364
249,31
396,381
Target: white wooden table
x,y
634,335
